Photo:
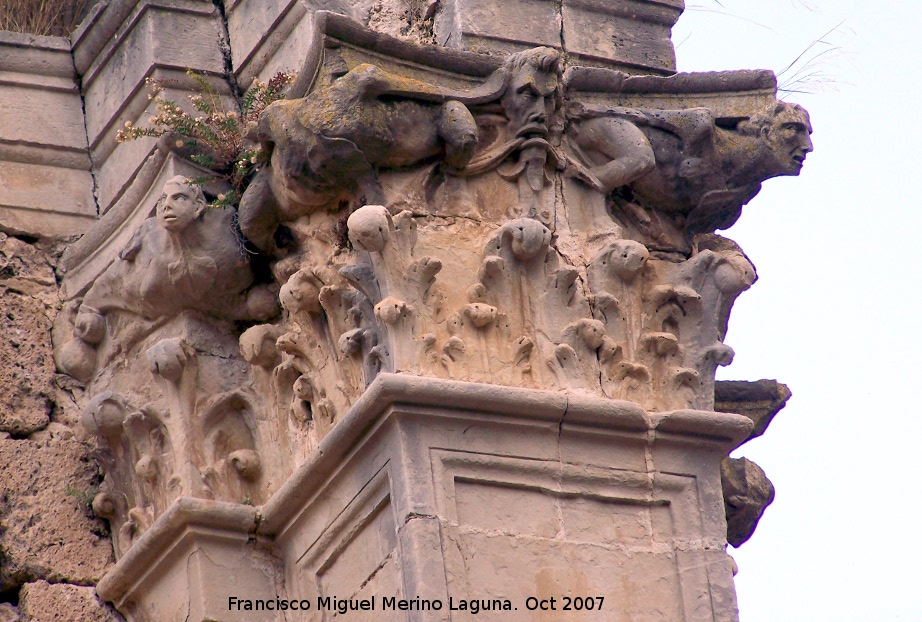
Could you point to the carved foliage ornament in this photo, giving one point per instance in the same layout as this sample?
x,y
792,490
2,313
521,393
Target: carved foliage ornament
x,y
493,229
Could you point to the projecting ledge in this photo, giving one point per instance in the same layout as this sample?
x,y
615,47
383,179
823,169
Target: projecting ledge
x,y
452,398
183,567
430,487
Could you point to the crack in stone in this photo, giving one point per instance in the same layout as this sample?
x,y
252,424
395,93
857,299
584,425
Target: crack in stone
x,y
558,7
415,516
561,527
226,52
86,133
378,569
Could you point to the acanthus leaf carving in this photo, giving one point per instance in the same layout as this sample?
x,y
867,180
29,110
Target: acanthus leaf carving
x,y
509,229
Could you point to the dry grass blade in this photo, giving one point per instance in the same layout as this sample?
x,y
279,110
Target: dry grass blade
x,y
809,6
43,17
703,9
807,72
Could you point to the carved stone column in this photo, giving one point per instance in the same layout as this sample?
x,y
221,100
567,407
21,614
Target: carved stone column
x,y
458,342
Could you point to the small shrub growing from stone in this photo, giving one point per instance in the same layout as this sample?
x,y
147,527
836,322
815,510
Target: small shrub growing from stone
x,y
216,137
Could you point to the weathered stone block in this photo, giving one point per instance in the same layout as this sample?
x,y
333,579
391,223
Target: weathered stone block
x,y
259,35
499,28
116,51
212,545
633,34
27,370
42,110
283,50
45,201
747,492
172,34
46,602
9,613
760,401
507,524
47,530
45,185
27,287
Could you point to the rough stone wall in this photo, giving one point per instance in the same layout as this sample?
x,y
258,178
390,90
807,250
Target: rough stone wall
x,y
411,20
52,548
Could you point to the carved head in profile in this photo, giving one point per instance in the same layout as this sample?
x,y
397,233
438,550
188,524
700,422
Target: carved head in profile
x,y
531,90
785,130
180,205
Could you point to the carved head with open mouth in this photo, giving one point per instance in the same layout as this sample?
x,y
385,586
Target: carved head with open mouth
x,y
531,94
180,205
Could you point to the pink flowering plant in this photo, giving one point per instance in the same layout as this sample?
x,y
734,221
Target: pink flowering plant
x,y
214,136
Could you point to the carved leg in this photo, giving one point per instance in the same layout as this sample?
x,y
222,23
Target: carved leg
x,y
259,213
457,128
340,162
630,153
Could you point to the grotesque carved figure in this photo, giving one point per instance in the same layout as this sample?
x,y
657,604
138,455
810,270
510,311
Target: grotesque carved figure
x,y
785,129
688,163
508,292
186,258
610,152
329,146
531,96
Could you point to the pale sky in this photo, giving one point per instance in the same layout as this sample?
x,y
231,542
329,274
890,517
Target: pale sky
x,y
835,313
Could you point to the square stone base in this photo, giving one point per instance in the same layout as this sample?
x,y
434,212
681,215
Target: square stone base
x,y
526,505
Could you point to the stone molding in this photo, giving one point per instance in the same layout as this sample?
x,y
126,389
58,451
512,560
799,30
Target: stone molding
x,y
196,549
389,392
46,188
374,468
118,47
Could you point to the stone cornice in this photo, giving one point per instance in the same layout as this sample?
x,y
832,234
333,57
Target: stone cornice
x,y
186,518
388,392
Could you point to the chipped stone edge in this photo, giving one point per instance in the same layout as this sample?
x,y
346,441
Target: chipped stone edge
x,y
604,80
185,517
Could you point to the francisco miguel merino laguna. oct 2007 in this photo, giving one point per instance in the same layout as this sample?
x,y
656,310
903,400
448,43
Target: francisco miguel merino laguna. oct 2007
x,y
392,603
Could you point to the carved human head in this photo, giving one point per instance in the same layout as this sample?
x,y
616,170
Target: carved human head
x,y
532,89
785,130
180,205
